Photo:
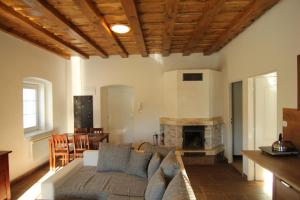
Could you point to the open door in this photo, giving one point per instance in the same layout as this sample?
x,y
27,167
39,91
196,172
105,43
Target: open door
x,y
237,124
265,113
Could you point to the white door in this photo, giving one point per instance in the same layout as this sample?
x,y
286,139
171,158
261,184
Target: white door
x,y
118,115
265,114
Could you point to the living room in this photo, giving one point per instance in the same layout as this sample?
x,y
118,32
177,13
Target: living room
x,y
270,44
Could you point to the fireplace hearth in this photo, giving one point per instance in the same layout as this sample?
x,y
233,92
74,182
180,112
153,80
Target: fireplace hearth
x,y
193,137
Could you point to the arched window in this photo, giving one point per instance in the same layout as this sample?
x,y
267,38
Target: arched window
x,y
37,105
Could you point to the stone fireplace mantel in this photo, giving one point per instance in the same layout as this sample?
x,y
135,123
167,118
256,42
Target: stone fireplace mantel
x,y
191,121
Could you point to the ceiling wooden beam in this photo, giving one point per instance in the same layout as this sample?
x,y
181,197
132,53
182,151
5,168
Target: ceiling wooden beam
x,y
211,9
15,16
134,22
244,19
170,17
31,41
51,11
90,10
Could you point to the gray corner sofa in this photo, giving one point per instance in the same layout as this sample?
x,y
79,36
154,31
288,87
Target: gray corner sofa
x,y
81,180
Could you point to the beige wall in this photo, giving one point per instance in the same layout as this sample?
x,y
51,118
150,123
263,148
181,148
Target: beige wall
x,y
20,59
145,75
193,99
271,44
170,94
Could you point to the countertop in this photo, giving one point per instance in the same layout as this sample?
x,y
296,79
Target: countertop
x,y
286,168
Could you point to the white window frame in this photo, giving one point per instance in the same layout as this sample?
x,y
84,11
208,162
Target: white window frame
x,y
36,88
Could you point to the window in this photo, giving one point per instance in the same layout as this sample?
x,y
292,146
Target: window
x,y
37,106
30,107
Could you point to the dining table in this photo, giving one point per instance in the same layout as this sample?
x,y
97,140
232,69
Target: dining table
x,y
94,140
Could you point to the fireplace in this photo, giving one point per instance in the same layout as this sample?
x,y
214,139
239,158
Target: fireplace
x,y
193,137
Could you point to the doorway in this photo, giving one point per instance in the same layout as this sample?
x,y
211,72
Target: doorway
x,y
117,112
264,115
237,124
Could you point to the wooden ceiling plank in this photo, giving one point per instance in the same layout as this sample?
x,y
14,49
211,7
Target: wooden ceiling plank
x,y
211,9
30,24
253,11
134,22
170,18
90,10
31,41
54,13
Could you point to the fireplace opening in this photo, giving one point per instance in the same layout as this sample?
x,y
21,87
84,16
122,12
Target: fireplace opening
x,y
193,137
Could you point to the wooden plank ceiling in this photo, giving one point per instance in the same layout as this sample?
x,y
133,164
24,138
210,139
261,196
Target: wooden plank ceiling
x,y
82,27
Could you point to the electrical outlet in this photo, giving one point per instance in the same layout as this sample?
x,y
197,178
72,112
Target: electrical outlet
x,y
284,124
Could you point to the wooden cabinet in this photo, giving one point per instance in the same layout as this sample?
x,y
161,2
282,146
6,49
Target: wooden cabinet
x,y
4,175
283,191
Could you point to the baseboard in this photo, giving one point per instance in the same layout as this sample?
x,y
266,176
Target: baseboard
x,y
29,173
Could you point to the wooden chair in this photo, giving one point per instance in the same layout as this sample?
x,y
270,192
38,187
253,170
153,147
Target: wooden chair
x,y
81,143
96,131
60,147
81,130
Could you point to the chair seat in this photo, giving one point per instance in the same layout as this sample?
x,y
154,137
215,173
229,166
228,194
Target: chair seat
x,y
63,152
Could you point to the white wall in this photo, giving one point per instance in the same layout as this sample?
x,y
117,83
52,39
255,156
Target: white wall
x,y
145,75
170,94
216,93
193,96
271,44
18,60
193,99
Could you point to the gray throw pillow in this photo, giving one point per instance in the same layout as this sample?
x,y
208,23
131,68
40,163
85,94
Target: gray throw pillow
x,y
113,157
177,189
153,165
156,186
138,163
170,166
162,150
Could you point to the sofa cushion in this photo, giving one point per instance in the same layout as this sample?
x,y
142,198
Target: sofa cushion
x,y
138,163
170,166
177,189
113,157
120,197
127,185
153,165
90,184
156,186
162,150
86,184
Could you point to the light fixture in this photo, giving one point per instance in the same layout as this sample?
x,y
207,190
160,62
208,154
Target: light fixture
x,y
120,28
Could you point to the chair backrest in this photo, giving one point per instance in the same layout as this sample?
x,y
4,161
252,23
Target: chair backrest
x,y
81,130
60,142
81,142
96,130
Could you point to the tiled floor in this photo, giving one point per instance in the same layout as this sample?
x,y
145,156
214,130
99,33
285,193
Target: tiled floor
x,y
218,182
223,182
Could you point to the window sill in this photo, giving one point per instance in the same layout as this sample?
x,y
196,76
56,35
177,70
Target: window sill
x,y
38,135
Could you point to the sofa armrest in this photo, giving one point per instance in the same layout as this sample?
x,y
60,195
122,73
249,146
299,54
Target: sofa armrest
x,y
186,178
90,157
49,185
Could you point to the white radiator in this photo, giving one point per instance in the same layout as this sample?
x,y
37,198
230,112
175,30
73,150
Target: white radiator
x,y
39,147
